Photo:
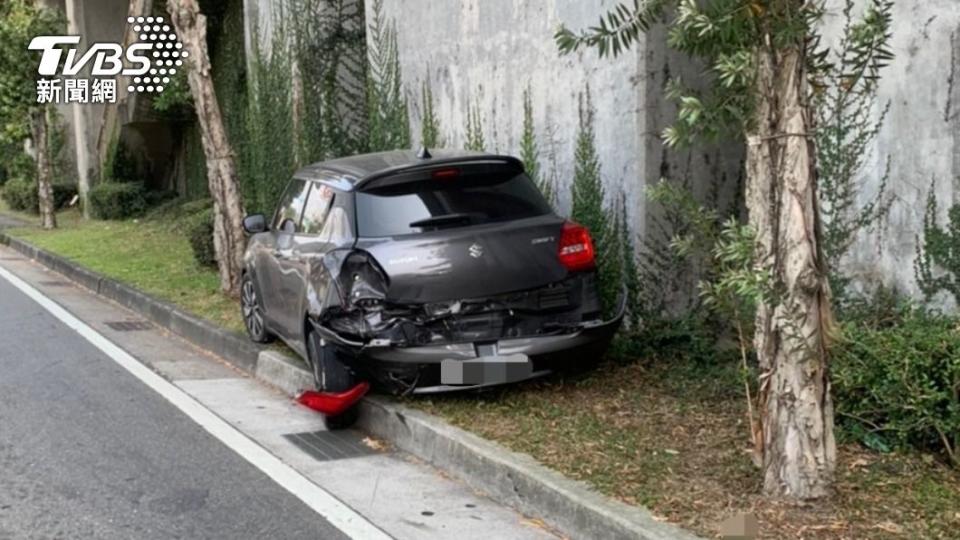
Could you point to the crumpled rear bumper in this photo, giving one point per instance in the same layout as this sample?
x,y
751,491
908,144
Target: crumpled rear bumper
x,y
581,346
589,334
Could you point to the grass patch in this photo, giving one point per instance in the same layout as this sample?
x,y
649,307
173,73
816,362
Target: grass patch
x,y
672,436
146,254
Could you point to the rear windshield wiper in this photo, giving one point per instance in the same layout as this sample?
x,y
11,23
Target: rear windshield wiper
x,y
439,221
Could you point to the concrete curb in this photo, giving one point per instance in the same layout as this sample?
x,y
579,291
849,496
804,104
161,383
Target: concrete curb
x,y
515,479
230,345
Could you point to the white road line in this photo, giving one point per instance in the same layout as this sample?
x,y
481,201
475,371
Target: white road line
x,y
333,510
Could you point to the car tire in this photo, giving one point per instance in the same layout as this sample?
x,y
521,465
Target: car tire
x,y
251,308
331,374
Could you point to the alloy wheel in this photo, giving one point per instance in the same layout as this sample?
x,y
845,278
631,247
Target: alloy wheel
x,y
252,316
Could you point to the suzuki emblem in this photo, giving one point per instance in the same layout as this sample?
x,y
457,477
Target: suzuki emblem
x,y
476,251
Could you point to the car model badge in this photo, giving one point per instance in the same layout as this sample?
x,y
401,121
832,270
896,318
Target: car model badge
x,y
476,251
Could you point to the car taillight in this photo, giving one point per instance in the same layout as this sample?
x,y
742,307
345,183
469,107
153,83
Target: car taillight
x,y
576,248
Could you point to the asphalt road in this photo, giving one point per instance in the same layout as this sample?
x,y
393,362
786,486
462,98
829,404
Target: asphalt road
x,y
89,451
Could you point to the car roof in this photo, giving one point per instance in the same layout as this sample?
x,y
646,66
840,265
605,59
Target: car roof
x,y
349,173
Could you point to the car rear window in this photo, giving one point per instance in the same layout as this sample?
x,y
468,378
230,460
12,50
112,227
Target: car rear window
x,y
485,198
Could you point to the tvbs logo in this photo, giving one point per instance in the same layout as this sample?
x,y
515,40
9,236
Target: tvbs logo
x,y
148,63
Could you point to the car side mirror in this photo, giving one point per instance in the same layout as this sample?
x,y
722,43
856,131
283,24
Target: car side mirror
x,y
254,224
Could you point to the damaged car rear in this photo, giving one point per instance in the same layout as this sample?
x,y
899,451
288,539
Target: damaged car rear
x,y
421,273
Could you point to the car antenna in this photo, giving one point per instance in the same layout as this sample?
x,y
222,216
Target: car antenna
x,y
424,153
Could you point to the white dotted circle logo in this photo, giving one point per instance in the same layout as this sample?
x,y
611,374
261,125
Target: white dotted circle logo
x,y
167,52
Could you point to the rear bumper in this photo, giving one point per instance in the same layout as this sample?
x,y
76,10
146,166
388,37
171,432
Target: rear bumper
x,y
589,334
581,347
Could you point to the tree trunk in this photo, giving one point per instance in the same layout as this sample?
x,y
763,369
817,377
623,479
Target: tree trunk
x,y
229,241
799,451
38,121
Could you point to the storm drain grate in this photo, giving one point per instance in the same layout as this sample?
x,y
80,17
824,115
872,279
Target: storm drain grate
x,y
129,326
331,445
54,283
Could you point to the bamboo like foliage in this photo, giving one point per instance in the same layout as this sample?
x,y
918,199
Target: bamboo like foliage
x,y
388,123
530,150
429,123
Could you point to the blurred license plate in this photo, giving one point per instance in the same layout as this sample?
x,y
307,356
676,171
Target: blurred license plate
x,y
486,370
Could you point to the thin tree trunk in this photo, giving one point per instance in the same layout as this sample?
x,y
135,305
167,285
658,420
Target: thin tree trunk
x,y
228,211
799,451
38,121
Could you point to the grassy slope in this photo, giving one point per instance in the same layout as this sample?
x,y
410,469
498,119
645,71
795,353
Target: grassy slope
x,y
672,436
151,257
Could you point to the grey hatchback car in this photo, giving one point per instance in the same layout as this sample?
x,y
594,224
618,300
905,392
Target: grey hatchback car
x,y
422,273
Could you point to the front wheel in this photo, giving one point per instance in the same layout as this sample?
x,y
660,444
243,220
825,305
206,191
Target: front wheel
x,y
330,374
252,310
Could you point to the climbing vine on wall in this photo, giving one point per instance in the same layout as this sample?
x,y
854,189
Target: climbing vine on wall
x,y
429,123
295,96
328,41
388,121
473,129
530,150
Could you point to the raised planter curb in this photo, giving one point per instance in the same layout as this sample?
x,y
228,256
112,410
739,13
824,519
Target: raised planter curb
x,y
232,346
514,479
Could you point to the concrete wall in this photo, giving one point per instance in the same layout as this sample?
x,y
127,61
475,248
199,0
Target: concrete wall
x,y
100,21
921,135
487,52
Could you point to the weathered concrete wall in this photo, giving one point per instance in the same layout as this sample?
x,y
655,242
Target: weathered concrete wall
x,y
486,53
921,135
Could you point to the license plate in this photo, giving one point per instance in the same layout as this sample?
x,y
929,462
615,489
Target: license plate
x,y
486,370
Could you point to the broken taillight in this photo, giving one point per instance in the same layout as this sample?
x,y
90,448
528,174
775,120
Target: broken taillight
x,y
333,404
576,248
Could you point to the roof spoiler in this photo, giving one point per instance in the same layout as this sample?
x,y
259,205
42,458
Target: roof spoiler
x,y
415,172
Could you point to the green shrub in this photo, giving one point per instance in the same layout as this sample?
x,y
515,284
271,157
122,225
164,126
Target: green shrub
x,y
590,210
896,380
174,211
117,200
157,197
200,234
118,165
21,195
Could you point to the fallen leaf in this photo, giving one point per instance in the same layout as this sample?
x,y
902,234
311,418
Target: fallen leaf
x,y
890,527
859,462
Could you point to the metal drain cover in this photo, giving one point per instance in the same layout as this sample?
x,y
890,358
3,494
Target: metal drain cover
x,y
129,326
54,283
331,445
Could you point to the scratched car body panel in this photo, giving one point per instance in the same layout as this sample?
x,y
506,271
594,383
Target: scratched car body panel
x,y
424,273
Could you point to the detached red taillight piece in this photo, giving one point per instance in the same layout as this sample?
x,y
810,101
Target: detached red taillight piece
x,y
576,248
332,404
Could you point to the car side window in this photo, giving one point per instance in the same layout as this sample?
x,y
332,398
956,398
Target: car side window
x,y
291,206
317,208
337,229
